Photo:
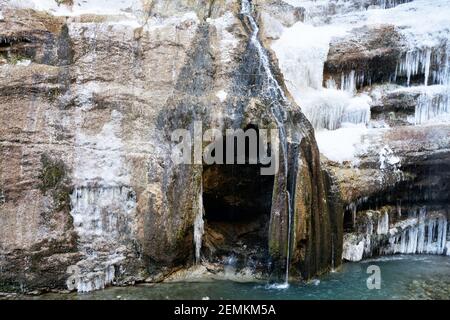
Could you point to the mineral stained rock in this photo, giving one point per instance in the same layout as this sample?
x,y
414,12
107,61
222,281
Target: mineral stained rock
x,y
89,194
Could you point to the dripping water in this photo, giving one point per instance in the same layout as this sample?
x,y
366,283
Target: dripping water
x,y
272,91
199,227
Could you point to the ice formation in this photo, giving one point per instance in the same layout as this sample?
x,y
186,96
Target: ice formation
x,y
432,105
101,217
80,7
303,48
103,206
199,227
421,232
388,159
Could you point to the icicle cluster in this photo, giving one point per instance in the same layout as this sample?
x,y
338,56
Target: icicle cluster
x,y
422,233
433,64
100,218
428,235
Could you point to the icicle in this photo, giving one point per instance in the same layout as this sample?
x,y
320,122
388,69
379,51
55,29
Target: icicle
x,y
383,224
431,106
348,82
96,213
415,62
422,234
199,227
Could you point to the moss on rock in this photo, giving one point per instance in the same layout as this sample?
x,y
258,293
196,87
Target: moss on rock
x,y
53,178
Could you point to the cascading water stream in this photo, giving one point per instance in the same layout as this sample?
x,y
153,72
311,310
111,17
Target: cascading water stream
x,y
199,227
272,91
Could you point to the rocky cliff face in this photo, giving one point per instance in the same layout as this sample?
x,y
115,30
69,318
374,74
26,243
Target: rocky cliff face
x,y
358,92
373,79
89,194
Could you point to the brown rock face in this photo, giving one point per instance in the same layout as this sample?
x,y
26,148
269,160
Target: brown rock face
x,y
89,194
371,52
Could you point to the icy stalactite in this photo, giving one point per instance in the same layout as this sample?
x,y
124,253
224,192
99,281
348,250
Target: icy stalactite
x,y
103,206
431,106
353,248
352,81
434,101
414,63
387,4
100,211
101,218
383,224
199,227
431,63
428,236
330,108
422,233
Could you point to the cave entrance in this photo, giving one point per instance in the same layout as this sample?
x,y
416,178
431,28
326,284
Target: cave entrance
x,y
348,220
237,200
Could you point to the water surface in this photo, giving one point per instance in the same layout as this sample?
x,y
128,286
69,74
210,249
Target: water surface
x,y
402,277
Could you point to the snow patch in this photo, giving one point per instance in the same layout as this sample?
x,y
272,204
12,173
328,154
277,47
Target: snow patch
x,y
228,42
222,95
99,157
23,63
343,144
80,7
387,159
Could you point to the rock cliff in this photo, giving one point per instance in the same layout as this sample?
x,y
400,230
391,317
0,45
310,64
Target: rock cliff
x,y
91,92
90,196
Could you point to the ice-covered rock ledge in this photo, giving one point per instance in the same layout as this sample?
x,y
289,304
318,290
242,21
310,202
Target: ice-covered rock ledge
x,y
387,232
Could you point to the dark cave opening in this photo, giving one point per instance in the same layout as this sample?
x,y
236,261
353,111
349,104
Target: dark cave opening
x,y
348,220
237,200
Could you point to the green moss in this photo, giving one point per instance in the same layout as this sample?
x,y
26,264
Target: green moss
x,y
53,94
61,199
52,173
15,58
53,178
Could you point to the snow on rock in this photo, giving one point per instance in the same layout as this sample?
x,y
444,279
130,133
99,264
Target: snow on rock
x,y
80,7
99,157
302,51
353,250
228,41
344,144
340,114
103,206
388,159
222,95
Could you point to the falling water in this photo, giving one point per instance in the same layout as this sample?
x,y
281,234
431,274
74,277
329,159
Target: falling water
x,y
199,226
274,92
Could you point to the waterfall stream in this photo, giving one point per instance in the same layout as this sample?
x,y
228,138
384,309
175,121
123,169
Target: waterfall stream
x,y
199,227
273,92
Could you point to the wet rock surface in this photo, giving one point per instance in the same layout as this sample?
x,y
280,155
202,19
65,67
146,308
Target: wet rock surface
x,y
97,96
